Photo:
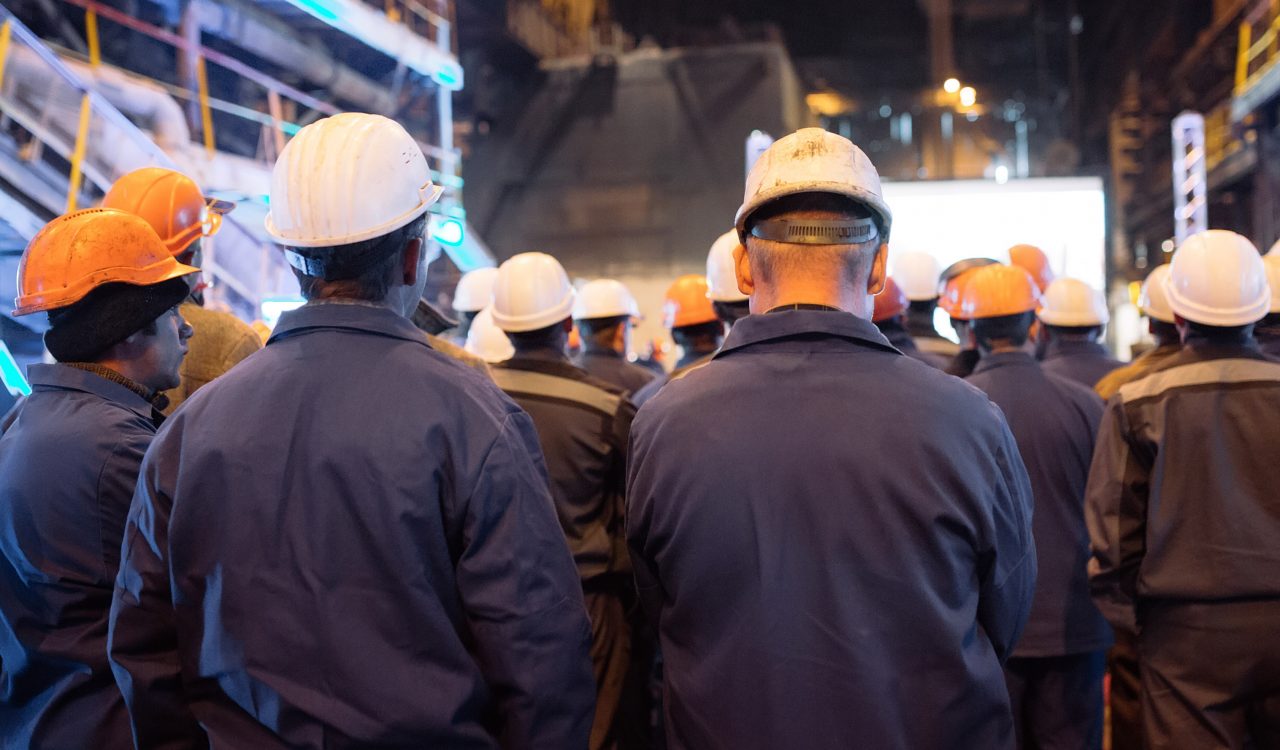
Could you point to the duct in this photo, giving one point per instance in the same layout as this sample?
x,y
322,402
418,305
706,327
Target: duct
x,y
275,41
143,102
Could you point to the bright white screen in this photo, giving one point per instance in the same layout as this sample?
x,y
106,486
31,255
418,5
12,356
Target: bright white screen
x,y
953,220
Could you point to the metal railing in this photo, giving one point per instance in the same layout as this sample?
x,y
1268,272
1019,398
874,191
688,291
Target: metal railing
x,y
1259,44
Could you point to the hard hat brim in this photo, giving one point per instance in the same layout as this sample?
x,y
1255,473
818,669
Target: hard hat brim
x,y
1221,318
865,197
430,192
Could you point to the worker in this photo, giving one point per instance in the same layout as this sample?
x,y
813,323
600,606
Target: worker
x,y
473,294
583,424
727,299
889,316
1268,329
69,463
1055,673
1153,302
833,539
1182,510
917,274
486,340
695,327
951,284
347,540
1033,260
1072,320
183,218
603,313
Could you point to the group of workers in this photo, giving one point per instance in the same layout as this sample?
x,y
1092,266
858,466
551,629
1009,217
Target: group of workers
x,y
828,526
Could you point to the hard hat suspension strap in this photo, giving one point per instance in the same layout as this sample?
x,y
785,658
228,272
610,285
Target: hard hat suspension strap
x,y
817,231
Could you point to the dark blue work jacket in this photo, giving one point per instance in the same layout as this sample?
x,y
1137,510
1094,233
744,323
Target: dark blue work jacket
x,y
834,541
347,541
1085,362
1055,422
613,368
68,467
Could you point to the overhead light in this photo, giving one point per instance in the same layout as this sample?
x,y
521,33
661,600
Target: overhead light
x,y
968,96
951,86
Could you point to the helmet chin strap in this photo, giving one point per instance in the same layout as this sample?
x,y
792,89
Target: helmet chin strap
x,y
817,231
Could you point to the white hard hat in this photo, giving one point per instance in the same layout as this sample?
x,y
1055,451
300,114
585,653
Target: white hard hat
x,y
487,341
1152,300
722,279
475,290
1272,262
1218,279
347,178
605,298
811,160
917,275
532,291
1072,303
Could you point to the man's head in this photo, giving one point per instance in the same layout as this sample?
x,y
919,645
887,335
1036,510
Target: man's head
x,y
349,196
533,301
1153,301
1000,302
951,286
1073,311
813,226
110,289
1217,286
728,301
604,310
174,206
689,315
473,294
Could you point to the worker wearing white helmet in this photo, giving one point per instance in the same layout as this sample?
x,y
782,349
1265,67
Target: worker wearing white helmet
x,y
309,520
1072,319
729,302
918,276
788,527
473,294
1182,514
1268,329
583,424
1153,302
603,313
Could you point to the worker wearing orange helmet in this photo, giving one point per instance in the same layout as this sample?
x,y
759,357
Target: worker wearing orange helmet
x,y
1033,260
183,217
889,316
69,464
951,285
1055,672
695,326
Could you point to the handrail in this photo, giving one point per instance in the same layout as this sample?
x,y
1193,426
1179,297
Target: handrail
x,y
1249,49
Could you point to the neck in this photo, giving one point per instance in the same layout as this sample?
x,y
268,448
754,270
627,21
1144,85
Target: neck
x,y
832,294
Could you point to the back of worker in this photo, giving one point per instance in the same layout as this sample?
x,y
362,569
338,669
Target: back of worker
x,y
1184,515
695,325
1072,320
582,424
603,314
832,538
1055,673
347,541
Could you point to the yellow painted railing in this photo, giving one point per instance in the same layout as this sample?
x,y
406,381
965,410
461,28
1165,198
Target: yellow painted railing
x,y
1258,46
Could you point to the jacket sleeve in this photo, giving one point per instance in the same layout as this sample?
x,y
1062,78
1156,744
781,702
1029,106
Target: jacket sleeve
x,y
1115,511
142,641
1009,576
523,599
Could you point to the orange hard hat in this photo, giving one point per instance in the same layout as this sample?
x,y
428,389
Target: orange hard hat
x,y
996,291
952,281
1032,260
890,302
79,252
687,303
171,203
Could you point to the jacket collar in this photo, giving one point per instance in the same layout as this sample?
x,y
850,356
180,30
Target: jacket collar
x,y
318,316
62,377
755,329
1060,348
1005,359
1200,349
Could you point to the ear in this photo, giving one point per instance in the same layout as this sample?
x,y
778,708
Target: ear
x,y
879,270
742,269
410,260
